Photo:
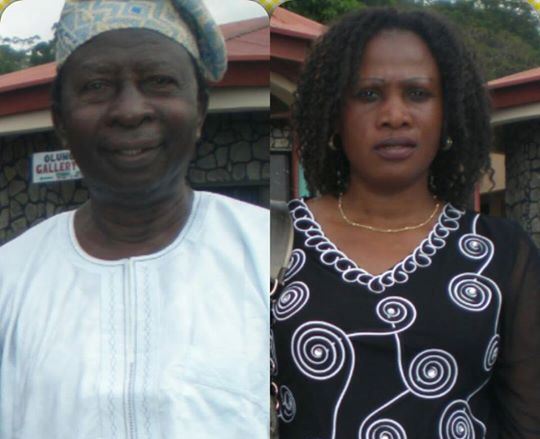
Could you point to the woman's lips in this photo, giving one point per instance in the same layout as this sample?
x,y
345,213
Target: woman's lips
x,y
395,149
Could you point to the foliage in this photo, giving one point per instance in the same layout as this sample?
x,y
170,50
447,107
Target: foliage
x,y
20,53
505,34
322,10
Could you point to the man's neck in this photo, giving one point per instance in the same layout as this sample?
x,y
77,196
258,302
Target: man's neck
x,y
114,231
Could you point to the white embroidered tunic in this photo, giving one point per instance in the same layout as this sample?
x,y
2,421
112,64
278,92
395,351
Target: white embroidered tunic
x,y
169,345
444,345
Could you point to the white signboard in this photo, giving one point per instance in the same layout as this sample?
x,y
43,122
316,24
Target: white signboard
x,y
54,166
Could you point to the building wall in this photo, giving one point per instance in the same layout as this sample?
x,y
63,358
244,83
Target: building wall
x,y
233,158
280,162
522,144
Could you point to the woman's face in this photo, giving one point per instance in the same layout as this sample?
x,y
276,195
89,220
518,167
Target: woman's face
x,y
393,114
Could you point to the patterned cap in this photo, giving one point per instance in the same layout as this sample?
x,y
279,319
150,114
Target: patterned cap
x,y
186,21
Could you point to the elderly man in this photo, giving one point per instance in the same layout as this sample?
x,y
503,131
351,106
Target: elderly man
x,y
143,314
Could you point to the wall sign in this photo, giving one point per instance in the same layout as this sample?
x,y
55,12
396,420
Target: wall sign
x,y
53,166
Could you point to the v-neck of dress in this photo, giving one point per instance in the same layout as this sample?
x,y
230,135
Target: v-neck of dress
x,y
329,254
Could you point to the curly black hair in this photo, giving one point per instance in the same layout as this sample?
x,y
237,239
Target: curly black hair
x,y
332,68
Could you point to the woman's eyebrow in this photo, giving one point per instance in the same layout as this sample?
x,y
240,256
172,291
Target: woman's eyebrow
x,y
383,80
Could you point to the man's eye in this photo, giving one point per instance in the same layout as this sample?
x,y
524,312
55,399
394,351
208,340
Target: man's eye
x,y
96,85
162,81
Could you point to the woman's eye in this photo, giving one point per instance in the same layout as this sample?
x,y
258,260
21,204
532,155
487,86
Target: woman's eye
x,y
368,95
418,94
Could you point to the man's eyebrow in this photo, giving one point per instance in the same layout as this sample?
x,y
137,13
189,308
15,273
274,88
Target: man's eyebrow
x,y
161,64
97,67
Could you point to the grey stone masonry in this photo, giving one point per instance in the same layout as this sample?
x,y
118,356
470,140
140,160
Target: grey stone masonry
x,y
280,136
233,150
522,145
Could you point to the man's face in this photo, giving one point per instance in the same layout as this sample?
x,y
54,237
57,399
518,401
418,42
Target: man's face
x,y
130,112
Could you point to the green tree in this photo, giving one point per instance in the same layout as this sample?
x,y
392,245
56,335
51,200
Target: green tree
x,y
10,59
41,53
505,34
322,10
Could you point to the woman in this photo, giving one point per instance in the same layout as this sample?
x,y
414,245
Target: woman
x,y
402,314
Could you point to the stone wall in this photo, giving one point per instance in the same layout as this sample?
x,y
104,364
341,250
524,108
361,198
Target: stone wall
x,y
233,154
234,150
522,144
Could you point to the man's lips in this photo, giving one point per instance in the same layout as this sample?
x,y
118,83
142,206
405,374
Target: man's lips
x,y
132,148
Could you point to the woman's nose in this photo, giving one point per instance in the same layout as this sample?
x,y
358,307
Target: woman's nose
x,y
394,113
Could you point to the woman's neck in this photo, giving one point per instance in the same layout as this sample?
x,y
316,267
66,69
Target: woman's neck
x,y
387,208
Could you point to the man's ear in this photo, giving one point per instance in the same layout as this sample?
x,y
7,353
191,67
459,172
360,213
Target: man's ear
x,y
59,126
202,111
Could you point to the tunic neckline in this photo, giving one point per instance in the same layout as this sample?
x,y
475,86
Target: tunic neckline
x,y
184,232
331,256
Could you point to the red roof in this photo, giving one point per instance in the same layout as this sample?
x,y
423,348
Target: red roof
x,y
288,23
292,36
30,77
526,77
515,90
248,40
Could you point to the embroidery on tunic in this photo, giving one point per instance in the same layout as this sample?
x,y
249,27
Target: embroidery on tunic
x,y
147,349
112,347
330,255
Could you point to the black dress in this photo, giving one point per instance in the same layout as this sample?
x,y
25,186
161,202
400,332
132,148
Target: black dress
x,y
445,345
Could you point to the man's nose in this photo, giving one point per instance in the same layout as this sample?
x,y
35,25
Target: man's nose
x,y
130,107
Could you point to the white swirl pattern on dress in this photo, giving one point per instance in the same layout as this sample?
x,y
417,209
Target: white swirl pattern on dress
x,y
287,407
432,373
396,311
385,429
330,255
293,298
296,263
475,246
471,291
457,422
492,352
319,349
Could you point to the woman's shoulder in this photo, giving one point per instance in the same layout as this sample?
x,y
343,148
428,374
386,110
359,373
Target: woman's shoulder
x,y
501,230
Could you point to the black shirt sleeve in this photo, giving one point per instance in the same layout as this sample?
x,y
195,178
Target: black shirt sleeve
x,y
516,380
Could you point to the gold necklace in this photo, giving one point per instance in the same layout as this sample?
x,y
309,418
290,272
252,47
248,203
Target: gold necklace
x,y
377,229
